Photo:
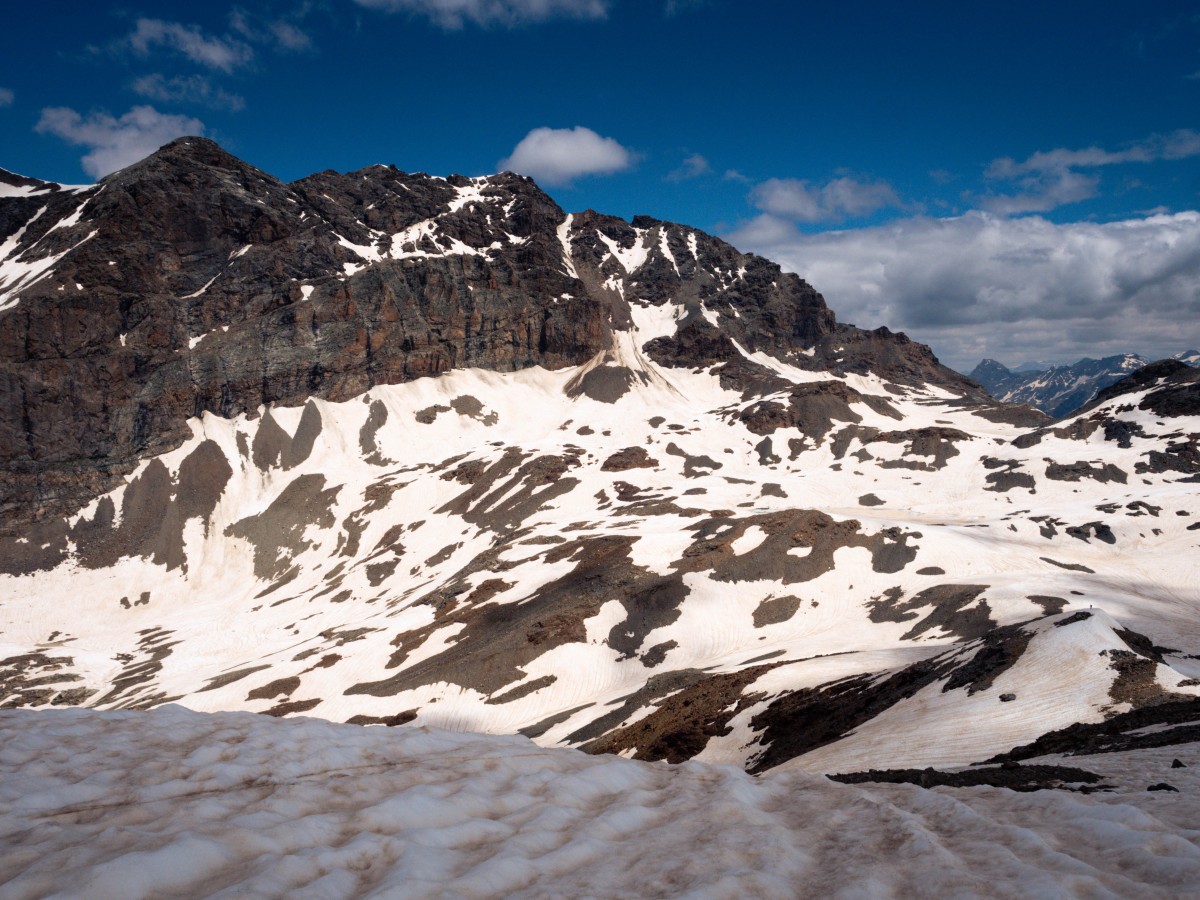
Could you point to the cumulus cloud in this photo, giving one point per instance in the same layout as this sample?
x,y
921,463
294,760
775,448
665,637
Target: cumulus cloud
x,y
982,285
222,53
190,89
114,143
1051,178
692,167
834,201
557,156
6,97
453,14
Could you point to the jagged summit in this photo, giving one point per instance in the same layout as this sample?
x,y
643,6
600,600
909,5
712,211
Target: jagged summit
x,y
191,148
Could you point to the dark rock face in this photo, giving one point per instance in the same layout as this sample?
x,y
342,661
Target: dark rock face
x,y
192,282
1167,723
193,244
629,458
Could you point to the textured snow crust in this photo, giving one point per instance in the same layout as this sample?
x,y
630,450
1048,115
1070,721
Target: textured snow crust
x,y
171,802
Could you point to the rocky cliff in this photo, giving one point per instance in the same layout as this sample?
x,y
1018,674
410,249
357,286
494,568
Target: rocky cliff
x,y
192,282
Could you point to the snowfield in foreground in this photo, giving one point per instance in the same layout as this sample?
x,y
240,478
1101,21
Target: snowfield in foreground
x,y
171,802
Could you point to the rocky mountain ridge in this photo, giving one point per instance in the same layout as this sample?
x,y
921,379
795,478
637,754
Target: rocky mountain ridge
x,y
193,282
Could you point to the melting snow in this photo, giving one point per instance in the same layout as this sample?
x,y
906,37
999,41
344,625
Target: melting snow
x,y
665,248
363,251
652,321
28,190
564,238
172,802
16,276
467,194
207,285
631,258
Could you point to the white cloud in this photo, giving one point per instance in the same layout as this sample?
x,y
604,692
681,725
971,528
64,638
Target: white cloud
x,y
1041,191
280,33
289,36
1050,178
692,167
1181,145
223,53
557,156
1012,289
453,14
187,89
6,97
115,143
835,200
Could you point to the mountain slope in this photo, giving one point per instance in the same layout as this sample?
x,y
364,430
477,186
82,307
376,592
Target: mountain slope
x,y
435,452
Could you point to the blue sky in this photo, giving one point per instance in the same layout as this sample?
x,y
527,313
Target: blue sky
x,y
1011,180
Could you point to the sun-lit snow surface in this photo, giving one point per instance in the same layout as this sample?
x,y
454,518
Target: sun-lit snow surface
x,y
170,802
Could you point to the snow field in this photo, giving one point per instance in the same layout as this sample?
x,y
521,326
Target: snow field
x,y
140,804
224,620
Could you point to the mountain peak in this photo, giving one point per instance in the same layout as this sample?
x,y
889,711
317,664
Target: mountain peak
x,y
210,286
195,147
187,155
987,366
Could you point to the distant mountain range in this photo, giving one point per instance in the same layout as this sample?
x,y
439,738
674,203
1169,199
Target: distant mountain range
x,y
1060,390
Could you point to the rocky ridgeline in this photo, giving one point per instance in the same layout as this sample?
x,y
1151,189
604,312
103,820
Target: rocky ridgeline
x,y
193,282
